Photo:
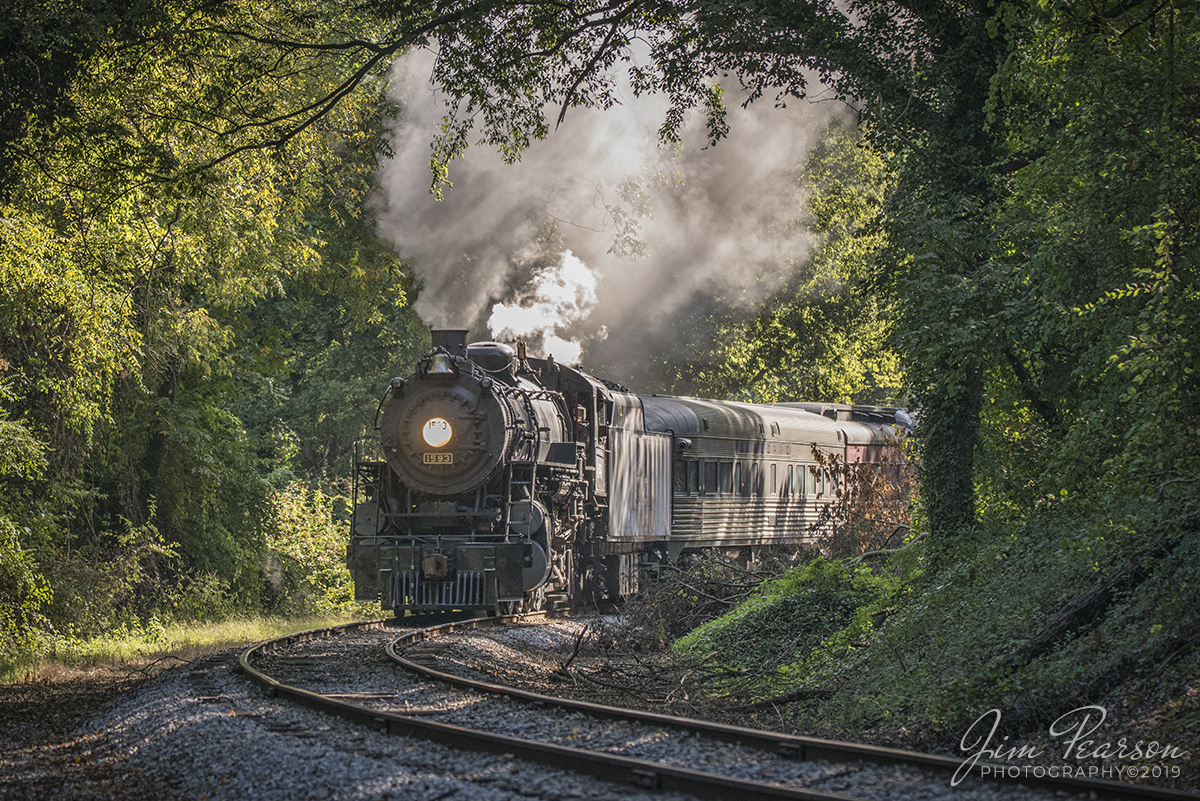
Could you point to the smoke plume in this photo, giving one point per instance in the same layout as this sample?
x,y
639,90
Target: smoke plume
x,y
562,297
598,242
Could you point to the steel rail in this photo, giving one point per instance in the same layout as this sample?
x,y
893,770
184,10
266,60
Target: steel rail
x,y
785,745
609,767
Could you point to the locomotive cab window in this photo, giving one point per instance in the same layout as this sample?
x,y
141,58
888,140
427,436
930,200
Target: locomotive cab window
x,y
679,472
693,478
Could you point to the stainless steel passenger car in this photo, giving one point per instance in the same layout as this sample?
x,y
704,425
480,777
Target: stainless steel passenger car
x,y
511,482
745,475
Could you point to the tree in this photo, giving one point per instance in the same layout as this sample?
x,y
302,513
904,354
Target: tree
x,y
142,238
1096,256
47,46
919,74
824,335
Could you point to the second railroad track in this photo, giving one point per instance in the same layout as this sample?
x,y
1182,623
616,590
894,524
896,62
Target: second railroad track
x,y
649,751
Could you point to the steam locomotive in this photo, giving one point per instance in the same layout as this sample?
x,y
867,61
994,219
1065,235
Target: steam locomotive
x,y
509,483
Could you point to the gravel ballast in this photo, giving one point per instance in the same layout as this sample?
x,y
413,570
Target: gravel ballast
x,y
205,732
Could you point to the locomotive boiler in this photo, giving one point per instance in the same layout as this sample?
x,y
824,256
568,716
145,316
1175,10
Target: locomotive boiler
x,y
508,483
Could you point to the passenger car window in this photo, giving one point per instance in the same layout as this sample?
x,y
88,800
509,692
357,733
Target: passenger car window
x,y
726,484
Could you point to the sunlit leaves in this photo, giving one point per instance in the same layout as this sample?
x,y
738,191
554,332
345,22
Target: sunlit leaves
x,y
824,335
1099,120
66,328
141,233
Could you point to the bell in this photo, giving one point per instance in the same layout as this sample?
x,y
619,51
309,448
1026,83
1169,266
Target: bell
x,y
441,364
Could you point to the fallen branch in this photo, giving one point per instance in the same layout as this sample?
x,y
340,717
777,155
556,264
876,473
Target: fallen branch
x,y
886,551
579,638
144,671
1090,606
1033,713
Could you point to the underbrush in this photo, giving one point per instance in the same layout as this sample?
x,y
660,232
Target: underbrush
x,y
1009,629
1029,622
787,615
706,586
128,594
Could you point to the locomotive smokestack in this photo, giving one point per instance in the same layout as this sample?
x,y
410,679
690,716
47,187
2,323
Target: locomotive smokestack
x,y
454,340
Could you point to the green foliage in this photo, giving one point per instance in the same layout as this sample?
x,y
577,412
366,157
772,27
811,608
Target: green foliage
x,y
48,45
904,656
785,617
306,536
824,334
114,581
64,332
24,592
322,351
159,267
199,597
939,660
213,498
1094,280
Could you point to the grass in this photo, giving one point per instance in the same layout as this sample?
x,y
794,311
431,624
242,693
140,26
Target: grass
x,y
175,642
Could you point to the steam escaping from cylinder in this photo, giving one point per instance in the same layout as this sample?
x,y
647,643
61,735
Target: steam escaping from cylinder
x,y
510,247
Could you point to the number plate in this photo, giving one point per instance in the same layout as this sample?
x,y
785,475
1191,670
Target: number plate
x,y
439,458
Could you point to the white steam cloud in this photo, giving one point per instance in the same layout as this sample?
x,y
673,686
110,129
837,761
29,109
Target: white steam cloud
x,y
563,295
528,249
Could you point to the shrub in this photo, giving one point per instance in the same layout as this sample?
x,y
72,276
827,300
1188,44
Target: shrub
x,y
24,592
306,549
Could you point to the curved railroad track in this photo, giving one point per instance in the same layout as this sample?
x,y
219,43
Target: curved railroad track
x,y
650,751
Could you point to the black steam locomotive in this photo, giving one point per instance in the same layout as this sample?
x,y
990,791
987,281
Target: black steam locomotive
x,y
510,483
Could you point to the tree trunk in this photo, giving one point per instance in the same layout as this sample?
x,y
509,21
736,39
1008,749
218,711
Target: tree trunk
x,y
948,428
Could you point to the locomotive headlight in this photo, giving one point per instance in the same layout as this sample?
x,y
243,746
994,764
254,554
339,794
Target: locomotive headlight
x,y
436,432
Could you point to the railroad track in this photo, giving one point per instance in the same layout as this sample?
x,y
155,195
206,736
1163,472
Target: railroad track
x,y
649,751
